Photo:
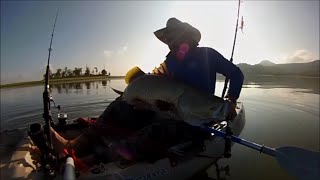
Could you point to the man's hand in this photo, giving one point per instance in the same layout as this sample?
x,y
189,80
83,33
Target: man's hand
x,y
232,108
231,99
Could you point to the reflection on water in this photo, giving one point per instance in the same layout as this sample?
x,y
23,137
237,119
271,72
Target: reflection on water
x,y
279,111
310,85
307,85
78,86
104,83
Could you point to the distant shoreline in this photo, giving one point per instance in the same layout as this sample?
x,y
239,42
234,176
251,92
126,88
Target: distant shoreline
x,y
101,78
272,75
61,81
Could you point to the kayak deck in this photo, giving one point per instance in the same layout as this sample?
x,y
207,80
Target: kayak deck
x,y
20,164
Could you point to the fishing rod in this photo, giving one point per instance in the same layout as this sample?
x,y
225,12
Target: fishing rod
x,y
46,96
233,47
227,152
41,135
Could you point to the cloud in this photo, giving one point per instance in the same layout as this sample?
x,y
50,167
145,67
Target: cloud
x,y
108,53
300,55
123,49
120,51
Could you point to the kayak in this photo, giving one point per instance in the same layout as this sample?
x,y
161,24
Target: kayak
x,y
20,165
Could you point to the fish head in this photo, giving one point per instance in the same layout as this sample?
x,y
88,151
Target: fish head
x,y
201,110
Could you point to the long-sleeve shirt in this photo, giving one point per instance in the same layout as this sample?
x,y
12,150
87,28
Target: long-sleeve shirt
x,y
198,69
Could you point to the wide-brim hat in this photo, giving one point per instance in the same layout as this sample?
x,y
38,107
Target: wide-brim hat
x,y
176,29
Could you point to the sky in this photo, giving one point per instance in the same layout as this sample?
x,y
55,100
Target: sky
x,y
119,35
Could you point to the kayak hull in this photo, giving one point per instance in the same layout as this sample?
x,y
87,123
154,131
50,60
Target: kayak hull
x,y
20,165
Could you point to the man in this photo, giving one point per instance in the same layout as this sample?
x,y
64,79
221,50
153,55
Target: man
x,y
129,133
119,121
185,62
193,65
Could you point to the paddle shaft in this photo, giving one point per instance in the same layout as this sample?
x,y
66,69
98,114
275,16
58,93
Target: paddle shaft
x,y
258,147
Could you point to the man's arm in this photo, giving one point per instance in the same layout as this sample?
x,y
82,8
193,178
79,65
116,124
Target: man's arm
x,y
161,70
231,71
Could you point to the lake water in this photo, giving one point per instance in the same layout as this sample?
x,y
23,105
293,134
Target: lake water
x,y
279,111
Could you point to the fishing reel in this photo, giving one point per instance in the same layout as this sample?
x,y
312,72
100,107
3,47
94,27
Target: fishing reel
x,y
62,117
48,158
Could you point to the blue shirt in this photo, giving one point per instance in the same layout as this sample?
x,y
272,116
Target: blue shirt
x,y
199,68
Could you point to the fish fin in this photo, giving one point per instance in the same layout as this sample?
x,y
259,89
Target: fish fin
x,y
117,91
141,104
164,106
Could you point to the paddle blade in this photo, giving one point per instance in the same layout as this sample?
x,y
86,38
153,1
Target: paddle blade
x,y
298,162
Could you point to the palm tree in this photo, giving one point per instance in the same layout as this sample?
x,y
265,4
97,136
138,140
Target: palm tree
x,y
80,71
77,71
58,73
69,72
65,72
104,72
87,73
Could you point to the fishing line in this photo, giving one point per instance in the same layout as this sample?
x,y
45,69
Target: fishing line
x,y
233,47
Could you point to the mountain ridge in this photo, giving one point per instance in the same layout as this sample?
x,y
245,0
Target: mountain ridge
x,y
267,63
270,68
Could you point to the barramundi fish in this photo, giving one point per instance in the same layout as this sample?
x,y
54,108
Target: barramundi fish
x,y
182,101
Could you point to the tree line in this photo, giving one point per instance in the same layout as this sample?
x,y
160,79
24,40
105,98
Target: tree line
x,y
77,72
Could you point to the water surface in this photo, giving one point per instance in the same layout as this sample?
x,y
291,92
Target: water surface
x,y
279,111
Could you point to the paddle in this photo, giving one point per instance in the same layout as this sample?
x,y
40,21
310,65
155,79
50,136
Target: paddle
x,y
298,162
